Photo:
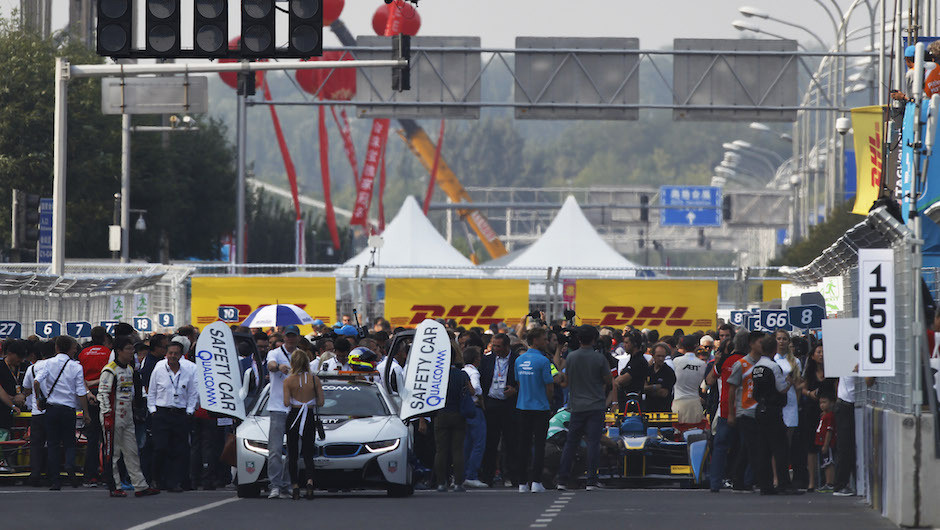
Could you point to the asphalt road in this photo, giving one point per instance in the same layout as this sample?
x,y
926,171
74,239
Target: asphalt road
x,y
29,508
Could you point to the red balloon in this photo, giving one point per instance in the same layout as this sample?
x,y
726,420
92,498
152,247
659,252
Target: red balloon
x,y
338,84
231,78
332,9
410,19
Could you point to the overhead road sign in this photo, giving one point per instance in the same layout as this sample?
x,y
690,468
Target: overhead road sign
x,y
578,84
727,80
45,231
690,206
445,79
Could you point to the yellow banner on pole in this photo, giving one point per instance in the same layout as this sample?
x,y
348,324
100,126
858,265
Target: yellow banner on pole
x,y
408,301
867,124
771,289
232,299
663,305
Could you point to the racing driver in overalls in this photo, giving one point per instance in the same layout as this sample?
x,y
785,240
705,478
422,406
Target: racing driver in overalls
x,y
116,397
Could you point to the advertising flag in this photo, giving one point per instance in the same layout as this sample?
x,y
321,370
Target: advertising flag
x,y
217,371
868,124
427,371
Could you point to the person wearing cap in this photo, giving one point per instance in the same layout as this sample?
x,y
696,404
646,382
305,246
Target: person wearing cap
x,y
171,400
278,364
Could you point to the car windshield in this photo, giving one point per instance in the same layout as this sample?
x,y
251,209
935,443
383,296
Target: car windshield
x,y
345,398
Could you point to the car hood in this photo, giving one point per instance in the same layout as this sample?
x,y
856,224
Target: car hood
x,y
339,429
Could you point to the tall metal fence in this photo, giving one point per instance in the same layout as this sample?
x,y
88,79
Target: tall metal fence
x,y
90,291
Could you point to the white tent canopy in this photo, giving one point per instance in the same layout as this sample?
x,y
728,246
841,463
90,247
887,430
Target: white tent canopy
x,y
411,247
570,241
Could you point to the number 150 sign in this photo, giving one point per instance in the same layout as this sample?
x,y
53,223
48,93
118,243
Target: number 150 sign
x,y
876,312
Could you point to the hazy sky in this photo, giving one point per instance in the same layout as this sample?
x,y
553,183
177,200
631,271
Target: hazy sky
x,y
656,23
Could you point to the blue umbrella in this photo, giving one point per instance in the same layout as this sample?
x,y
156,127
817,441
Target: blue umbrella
x,y
277,315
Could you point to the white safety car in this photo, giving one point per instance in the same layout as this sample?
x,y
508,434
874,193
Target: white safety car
x,y
366,445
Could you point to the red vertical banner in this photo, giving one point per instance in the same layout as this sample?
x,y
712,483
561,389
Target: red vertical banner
x,y
345,132
325,175
377,139
382,190
437,159
393,25
285,153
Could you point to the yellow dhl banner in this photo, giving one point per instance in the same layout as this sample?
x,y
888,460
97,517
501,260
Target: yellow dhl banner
x,y
663,305
867,123
408,301
233,299
771,289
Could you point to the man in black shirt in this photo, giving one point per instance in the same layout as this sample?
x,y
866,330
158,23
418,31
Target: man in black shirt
x,y
631,371
660,382
11,401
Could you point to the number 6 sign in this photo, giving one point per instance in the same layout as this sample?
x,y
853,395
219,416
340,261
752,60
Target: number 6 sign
x,y
876,312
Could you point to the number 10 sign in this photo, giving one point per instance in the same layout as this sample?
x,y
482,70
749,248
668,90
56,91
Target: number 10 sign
x,y
876,312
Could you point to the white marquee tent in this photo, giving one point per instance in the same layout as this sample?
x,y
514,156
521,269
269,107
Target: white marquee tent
x,y
570,241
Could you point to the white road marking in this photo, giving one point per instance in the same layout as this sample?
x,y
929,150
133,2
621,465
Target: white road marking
x,y
543,520
180,515
552,511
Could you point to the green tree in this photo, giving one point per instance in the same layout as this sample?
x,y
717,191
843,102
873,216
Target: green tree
x,y
820,237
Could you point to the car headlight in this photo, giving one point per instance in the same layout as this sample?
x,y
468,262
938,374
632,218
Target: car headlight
x,y
257,446
383,446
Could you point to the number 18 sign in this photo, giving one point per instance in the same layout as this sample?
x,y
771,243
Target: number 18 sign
x,y
876,312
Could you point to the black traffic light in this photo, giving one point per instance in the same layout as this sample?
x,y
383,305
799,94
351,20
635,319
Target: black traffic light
x,y
701,237
115,18
257,28
401,75
305,28
210,28
162,28
641,242
726,208
644,208
25,225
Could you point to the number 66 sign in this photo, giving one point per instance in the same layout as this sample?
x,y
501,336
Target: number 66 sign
x,y
876,312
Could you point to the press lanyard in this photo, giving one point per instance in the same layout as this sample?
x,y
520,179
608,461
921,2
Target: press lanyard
x,y
501,374
176,392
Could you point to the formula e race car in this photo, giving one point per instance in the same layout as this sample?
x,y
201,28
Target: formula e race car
x,y
639,448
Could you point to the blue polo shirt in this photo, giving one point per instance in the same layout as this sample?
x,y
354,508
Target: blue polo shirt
x,y
533,372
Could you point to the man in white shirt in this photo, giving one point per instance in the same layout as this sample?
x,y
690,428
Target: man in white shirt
x,y
690,372
278,362
475,440
397,373
61,381
171,400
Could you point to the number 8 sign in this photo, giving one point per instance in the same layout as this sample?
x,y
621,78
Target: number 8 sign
x,y
774,319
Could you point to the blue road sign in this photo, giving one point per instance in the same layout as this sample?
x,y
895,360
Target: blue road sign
x,y
807,316
690,206
166,320
108,325
774,319
47,329
228,313
753,323
143,324
11,329
739,318
45,231
78,330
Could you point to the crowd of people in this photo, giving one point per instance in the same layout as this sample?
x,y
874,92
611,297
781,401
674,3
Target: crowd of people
x,y
778,424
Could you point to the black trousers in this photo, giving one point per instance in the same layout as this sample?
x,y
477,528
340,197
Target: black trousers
x,y
533,428
500,425
774,434
38,454
170,447
845,443
60,435
304,441
762,437
92,432
204,453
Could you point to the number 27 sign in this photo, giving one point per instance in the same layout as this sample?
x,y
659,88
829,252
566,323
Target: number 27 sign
x,y
876,312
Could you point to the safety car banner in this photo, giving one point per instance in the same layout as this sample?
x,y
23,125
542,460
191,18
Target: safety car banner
x,y
663,305
427,371
868,124
408,301
231,300
217,371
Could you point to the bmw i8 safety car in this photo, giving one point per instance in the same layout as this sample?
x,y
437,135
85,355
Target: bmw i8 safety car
x,y
366,445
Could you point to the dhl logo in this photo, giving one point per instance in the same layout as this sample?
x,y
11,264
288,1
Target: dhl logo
x,y
874,148
647,316
464,314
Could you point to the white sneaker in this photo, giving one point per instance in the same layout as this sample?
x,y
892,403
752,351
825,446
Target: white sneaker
x,y
523,488
537,487
474,483
275,493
